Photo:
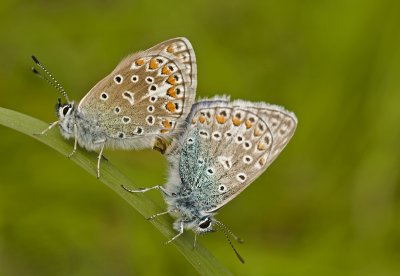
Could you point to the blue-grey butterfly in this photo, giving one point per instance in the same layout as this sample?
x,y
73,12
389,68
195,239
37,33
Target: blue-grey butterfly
x,y
145,98
225,147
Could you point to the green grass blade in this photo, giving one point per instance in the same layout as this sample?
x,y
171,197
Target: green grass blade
x,y
200,258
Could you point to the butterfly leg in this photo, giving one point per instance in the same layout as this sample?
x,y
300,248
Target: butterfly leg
x,y
163,213
195,241
157,215
75,142
142,190
99,159
47,129
175,237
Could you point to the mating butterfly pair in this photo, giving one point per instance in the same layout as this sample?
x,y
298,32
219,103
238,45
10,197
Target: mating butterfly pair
x,y
217,147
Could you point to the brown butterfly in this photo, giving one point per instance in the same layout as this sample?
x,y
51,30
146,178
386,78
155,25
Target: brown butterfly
x,y
144,99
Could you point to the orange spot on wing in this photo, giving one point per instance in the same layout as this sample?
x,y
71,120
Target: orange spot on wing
x,y
261,146
257,132
248,124
172,92
166,71
170,48
220,119
194,120
163,131
170,106
236,121
261,161
139,62
202,119
153,64
171,80
167,124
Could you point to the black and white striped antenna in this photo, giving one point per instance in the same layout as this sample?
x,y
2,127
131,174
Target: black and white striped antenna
x,y
49,78
226,230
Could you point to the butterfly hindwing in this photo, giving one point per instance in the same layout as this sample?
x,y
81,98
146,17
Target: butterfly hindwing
x,y
230,145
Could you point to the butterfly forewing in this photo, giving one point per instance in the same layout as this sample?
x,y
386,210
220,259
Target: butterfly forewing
x,y
148,93
182,50
235,142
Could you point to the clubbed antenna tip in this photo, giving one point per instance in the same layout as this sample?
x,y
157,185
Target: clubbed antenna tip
x,y
36,72
35,59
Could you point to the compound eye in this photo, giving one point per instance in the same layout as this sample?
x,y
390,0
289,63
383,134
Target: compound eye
x,y
65,110
205,223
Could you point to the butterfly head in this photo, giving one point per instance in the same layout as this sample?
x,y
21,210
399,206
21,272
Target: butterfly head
x,y
199,225
204,225
66,117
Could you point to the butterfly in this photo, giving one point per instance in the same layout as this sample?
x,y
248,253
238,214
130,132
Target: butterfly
x,y
142,103
225,147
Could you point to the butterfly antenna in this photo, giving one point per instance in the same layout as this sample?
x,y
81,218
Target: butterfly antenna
x,y
225,230
195,240
50,78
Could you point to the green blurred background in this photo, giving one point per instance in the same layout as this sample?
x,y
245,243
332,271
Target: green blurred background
x,y
329,205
